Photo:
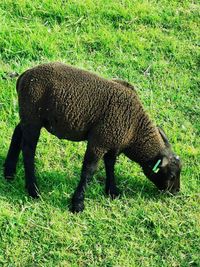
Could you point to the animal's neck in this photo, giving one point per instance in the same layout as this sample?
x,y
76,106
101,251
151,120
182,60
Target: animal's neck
x,y
147,143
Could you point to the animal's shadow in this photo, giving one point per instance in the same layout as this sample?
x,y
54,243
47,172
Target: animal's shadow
x,y
57,187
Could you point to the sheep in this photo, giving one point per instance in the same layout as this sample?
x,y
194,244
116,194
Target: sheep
x,y
77,105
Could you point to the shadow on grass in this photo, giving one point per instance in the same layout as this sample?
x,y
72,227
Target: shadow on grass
x,y
56,187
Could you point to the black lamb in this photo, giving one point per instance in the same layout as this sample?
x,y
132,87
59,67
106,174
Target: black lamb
x,y
78,105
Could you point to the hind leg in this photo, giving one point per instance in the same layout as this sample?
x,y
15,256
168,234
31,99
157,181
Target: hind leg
x,y
13,153
30,138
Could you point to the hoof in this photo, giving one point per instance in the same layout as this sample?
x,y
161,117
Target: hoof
x,y
113,193
77,207
9,177
33,191
9,172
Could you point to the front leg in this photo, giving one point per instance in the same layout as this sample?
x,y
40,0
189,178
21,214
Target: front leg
x,y
90,162
111,188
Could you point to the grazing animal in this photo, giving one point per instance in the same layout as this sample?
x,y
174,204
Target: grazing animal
x,y
78,105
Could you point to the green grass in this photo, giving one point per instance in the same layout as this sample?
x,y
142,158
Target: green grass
x,y
114,39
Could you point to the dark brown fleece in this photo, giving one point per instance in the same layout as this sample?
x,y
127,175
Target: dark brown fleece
x,y
78,105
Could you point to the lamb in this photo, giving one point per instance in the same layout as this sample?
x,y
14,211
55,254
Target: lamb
x,y
78,105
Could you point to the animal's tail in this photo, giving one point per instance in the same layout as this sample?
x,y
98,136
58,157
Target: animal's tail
x,y
18,81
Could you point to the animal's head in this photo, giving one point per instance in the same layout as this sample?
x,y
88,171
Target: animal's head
x,y
164,170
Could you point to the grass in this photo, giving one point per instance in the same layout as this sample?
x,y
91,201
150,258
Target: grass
x,y
152,44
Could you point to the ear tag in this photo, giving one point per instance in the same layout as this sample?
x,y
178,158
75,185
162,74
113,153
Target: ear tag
x,y
156,168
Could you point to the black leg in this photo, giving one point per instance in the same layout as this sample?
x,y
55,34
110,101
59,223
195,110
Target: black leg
x,y
111,188
29,143
13,154
89,166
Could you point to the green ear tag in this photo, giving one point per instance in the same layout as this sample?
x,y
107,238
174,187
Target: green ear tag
x,y
156,168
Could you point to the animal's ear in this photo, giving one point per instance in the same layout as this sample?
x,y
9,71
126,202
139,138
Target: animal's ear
x,y
165,162
164,137
160,164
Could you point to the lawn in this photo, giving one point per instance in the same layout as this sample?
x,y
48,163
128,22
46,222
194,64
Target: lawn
x,y
152,44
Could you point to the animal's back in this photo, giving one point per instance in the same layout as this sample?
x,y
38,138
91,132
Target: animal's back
x,y
68,101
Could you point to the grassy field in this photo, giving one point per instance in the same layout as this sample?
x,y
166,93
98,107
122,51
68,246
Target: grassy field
x,y
152,44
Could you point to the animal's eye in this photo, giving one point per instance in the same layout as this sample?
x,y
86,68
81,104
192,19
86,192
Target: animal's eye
x,y
172,177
